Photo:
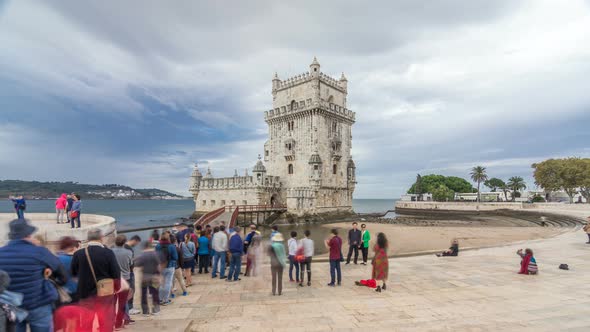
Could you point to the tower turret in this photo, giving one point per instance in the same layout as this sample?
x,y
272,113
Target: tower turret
x,y
314,68
315,163
259,171
343,82
275,82
196,177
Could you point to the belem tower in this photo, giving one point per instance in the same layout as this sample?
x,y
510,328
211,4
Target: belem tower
x,y
307,162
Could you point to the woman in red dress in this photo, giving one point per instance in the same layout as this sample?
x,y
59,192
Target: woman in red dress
x,y
380,261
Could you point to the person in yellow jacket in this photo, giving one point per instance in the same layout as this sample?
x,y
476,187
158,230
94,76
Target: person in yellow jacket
x,y
365,239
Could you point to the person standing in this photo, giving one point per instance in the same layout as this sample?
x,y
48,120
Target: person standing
x,y
219,244
293,246
60,208
67,247
275,230
93,266
203,252
365,240
334,244
189,250
236,248
381,261
254,255
130,245
26,265
70,202
277,263
178,269
20,205
354,240
247,244
125,260
168,258
149,261
76,211
308,251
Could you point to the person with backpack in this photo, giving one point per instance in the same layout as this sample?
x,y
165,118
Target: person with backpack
x,y
276,251
308,250
20,205
168,259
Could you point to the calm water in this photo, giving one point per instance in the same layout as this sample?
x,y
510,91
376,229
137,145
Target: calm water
x,y
137,213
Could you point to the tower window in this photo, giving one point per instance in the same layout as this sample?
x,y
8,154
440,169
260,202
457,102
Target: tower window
x,y
290,168
266,153
315,69
316,167
334,169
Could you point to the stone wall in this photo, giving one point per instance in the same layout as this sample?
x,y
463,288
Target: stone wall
x,y
52,232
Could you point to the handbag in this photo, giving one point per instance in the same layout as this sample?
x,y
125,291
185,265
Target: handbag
x,y
74,214
104,287
63,297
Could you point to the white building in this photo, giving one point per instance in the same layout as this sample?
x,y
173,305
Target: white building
x,y
307,162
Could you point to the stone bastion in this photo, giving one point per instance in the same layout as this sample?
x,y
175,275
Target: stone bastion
x,y
52,232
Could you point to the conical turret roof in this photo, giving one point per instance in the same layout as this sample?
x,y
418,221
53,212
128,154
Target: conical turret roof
x,y
315,159
259,167
196,172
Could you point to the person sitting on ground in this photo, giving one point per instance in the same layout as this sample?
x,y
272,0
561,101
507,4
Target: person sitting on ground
x,y
587,230
528,265
453,250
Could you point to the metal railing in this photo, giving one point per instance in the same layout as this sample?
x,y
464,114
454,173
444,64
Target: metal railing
x,y
209,216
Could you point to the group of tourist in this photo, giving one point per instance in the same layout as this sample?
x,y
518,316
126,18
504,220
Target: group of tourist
x,y
67,208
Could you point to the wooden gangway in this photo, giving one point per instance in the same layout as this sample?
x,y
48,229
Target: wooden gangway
x,y
228,215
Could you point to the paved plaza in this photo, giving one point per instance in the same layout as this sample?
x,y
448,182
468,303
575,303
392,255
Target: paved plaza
x,y
477,291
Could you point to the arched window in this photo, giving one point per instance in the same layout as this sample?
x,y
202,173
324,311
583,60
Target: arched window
x,y
331,99
293,105
290,168
334,169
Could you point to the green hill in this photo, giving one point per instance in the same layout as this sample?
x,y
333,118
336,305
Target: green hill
x,y
41,190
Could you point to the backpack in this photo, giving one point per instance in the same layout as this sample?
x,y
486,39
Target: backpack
x,y
180,261
164,255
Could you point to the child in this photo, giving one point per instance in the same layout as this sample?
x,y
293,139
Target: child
x,y
453,250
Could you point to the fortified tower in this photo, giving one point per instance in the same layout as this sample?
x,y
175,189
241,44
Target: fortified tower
x,y
310,134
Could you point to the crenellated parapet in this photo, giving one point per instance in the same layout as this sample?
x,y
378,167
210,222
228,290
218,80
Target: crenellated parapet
x,y
303,106
240,182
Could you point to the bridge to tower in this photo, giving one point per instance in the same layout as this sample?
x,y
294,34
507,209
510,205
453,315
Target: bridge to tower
x,y
230,215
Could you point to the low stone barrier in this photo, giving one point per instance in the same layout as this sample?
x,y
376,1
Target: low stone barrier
x,y
52,232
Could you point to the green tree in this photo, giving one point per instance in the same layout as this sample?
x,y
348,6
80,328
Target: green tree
x,y
494,184
430,182
569,175
585,181
478,174
443,194
516,183
418,187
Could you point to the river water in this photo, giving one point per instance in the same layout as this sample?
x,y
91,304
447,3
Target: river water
x,y
140,213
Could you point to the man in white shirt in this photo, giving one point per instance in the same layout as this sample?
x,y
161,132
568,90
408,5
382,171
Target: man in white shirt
x,y
308,251
219,244
293,246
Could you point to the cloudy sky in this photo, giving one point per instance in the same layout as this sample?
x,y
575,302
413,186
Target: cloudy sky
x,y
134,92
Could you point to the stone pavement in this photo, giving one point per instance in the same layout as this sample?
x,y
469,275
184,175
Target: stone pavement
x,y
477,291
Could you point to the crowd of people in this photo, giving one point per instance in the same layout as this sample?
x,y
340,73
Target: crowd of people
x,y
81,287
67,208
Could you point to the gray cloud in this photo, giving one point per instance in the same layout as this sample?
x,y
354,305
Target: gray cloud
x,y
437,86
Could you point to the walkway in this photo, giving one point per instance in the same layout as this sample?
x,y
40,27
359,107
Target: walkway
x,y
478,291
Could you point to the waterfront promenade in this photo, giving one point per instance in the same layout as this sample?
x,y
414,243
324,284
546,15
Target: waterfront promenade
x,y
477,291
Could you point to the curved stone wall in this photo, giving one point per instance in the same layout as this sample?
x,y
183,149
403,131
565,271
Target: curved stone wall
x,y
52,232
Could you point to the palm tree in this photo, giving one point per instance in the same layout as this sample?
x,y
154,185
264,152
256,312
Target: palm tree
x,y
516,183
478,174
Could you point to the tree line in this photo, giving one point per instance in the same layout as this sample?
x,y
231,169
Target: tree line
x,y
572,175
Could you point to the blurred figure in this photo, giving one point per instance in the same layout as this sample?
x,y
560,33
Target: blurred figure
x,y
60,208
188,250
219,244
254,256
125,260
20,205
275,230
178,277
73,318
70,202
168,258
278,262
97,265
380,261
76,211
20,255
130,245
149,261
155,238
67,247
587,230
248,239
308,250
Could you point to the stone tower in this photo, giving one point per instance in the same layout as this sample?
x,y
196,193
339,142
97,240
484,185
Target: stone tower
x,y
310,139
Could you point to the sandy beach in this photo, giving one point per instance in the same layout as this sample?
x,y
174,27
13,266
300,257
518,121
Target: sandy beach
x,y
409,239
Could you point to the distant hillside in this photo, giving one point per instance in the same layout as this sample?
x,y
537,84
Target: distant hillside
x,y
42,190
